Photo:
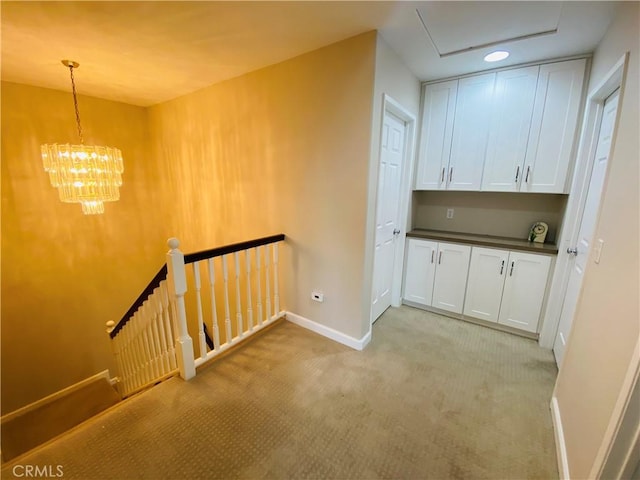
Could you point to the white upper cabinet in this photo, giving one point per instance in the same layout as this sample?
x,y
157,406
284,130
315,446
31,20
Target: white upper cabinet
x,y
470,132
438,109
553,127
509,130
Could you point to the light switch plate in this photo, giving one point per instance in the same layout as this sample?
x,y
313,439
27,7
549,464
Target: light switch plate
x,y
597,250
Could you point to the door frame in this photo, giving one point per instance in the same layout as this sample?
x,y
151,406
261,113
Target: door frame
x,y
614,79
395,108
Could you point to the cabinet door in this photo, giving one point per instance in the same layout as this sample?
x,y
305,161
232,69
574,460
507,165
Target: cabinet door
x,y
553,127
451,277
524,289
470,132
419,271
509,129
438,108
487,272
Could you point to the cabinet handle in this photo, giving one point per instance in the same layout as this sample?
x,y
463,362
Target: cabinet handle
x,y
502,267
517,173
526,180
511,272
443,169
439,258
432,252
450,174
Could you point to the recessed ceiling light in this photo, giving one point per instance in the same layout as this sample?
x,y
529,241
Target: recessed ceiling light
x,y
496,56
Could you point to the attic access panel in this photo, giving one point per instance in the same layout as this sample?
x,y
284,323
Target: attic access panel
x,y
456,27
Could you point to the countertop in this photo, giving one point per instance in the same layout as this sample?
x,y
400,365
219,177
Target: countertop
x,y
485,241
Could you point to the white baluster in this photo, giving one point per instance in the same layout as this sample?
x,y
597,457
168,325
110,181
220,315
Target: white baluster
x,y
214,312
146,344
178,282
167,324
227,316
249,299
276,293
259,282
155,320
267,274
141,374
127,362
201,335
238,302
162,338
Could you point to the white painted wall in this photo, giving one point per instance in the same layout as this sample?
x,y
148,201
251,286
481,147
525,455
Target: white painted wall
x,y
607,325
393,78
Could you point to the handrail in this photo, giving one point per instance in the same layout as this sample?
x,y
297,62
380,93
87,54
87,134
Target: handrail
x,y
236,247
190,258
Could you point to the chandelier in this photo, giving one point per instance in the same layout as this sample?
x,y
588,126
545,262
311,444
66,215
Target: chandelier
x,y
85,174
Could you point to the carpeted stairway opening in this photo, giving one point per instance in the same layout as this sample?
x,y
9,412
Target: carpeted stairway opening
x,y
430,398
28,430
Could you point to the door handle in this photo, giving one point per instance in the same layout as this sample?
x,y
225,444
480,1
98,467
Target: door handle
x,y
432,253
572,251
450,174
517,173
396,231
502,267
442,180
511,272
526,179
440,258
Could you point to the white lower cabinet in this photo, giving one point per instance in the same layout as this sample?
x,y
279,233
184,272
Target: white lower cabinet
x,y
502,286
436,274
507,287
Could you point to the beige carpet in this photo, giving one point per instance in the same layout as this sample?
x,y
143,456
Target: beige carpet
x,y
430,397
35,427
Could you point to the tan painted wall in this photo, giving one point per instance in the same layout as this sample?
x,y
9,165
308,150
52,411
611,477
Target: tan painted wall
x,y
273,151
607,324
393,78
65,274
280,150
488,213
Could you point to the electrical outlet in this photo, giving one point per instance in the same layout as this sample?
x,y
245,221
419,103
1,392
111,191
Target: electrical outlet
x,y
317,296
449,212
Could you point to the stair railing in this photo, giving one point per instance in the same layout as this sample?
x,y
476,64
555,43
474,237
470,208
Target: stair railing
x,y
152,340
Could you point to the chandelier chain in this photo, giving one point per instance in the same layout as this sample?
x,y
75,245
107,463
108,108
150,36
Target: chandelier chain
x,y
75,104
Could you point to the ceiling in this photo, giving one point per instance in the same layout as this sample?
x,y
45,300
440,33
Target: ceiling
x,y
145,53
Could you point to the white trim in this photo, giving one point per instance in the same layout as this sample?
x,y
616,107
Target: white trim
x,y
618,413
561,448
355,343
54,396
573,213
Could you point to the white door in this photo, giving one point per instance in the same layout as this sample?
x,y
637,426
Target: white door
x,y
587,225
387,211
524,287
451,277
419,271
470,132
486,281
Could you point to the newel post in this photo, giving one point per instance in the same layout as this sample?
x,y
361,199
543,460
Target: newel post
x,y
177,282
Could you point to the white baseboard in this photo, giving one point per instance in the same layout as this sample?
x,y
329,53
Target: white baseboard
x,y
54,396
561,448
355,343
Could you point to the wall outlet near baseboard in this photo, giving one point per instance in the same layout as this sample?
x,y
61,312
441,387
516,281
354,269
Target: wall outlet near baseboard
x,y
449,212
317,296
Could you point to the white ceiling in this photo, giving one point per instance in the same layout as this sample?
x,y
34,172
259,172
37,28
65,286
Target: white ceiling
x,y
144,53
